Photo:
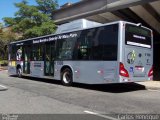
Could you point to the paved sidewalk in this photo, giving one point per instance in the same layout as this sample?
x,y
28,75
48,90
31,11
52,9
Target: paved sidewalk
x,y
155,85
3,68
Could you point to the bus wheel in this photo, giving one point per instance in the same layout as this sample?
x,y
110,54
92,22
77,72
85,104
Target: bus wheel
x,y
66,77
19,72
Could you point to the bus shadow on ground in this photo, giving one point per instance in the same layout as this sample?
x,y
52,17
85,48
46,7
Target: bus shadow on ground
x,y
112,88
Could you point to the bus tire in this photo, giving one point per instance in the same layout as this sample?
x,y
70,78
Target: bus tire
x,y
67,77
19,72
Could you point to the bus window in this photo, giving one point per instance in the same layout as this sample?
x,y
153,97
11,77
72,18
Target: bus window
x,y
84,46
108,42
98,43
65,48
34,48
40,52
37,52
13,52
19,53
137,36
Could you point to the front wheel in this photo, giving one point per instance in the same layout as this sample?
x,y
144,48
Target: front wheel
x,y
66,77
19,72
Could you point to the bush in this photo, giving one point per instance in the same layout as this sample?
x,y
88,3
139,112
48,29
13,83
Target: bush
x,y
3,62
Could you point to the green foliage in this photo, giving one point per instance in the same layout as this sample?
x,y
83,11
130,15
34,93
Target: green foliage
x,y
1,26
33,21
3,62
9,21
44,29
5,38
47,6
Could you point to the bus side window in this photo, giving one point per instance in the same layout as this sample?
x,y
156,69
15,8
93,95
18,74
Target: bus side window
x,y
84,46
83,52
34,47
40,52
108,40
65,48
13,52
19,53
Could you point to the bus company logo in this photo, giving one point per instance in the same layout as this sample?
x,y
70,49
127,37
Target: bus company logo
x,y
131,57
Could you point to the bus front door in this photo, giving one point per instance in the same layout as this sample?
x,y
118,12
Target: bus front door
x,y
49,59
26,62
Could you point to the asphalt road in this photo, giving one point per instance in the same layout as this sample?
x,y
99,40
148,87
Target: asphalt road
x,y
40,96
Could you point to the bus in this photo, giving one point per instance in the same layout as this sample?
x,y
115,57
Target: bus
x,y
115,52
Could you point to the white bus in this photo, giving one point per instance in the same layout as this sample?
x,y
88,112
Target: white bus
x,y
115,52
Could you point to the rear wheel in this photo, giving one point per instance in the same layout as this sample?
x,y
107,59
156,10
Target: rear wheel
x,y
66,77
19,72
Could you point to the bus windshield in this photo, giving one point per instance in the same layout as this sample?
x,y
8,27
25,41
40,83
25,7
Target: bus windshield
x,y
137,36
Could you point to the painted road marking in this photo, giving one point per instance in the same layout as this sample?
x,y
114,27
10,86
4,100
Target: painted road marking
x,y
2,87
99,115
153,90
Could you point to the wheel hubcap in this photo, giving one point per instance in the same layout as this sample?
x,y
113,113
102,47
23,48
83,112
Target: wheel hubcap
x,y
66,77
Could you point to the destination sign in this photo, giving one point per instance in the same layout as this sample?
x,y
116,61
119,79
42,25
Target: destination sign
x,y
56,37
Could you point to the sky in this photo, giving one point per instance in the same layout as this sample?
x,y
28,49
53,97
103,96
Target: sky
x,y
7,8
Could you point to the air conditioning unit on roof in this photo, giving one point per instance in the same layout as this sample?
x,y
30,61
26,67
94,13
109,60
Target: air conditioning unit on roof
x,y
76,25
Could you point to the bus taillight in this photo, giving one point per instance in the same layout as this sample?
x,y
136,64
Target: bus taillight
x,y
122,71
150,73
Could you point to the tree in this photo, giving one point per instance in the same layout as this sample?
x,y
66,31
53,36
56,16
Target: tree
x,y
47,6
6,36
33,21
1,26
1,42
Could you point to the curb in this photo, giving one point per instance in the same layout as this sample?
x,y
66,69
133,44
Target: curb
x,y
1,69
152,88
150,85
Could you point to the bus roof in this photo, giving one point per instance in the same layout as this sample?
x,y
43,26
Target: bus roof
x,y
89,27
